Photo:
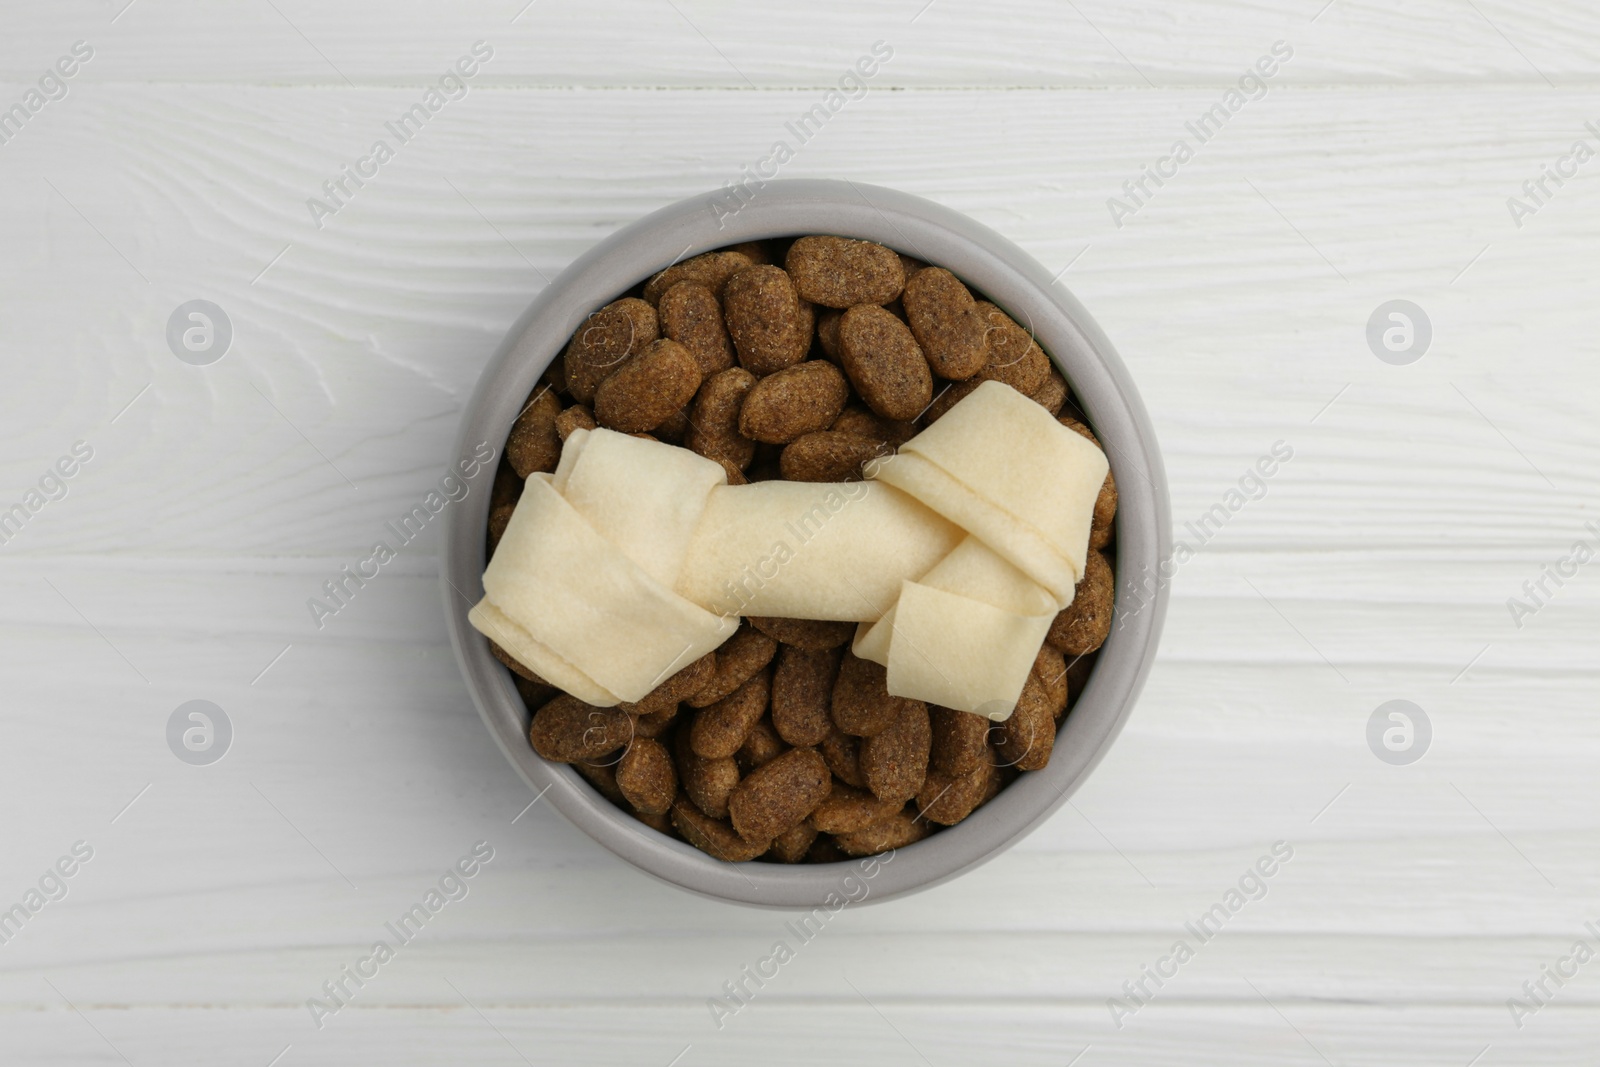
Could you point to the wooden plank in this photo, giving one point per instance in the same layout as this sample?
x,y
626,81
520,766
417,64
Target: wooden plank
x,y
848,1031
645,43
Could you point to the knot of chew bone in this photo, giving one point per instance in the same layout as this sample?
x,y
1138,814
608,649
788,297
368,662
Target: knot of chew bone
x,y
580,589
964,634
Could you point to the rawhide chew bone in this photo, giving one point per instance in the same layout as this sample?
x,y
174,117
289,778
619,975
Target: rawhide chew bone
x,y
636,558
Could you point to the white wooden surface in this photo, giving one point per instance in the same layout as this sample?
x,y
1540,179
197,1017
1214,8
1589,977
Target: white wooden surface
x,y
1377,566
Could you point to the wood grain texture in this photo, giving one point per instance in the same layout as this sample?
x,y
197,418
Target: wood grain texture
x,y
721,44
1376,565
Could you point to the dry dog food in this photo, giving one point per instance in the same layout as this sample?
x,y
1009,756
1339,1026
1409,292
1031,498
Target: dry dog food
x,y
647,389
884,362
945,321
811,634
714,419
691,315
802,694
783,744
1014,357
711,270
1105,505
770,324
719,728
828,456
838,272
793,402
608,337
534,444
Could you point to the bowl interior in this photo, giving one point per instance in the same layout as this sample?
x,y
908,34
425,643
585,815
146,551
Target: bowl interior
x,y
988,263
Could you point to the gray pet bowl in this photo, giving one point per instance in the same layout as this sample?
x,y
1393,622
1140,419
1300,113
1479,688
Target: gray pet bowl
x,y
989,264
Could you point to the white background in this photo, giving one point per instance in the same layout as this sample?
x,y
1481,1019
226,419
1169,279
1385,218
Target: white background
x,y
1377,566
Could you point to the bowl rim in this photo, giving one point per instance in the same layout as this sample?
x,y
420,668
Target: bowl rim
x,y
990,264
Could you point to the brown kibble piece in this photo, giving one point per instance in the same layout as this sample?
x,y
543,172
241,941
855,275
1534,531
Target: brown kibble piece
x,y
947,800
808,325
603,776
829,456
712,784
511,661
779,795
1078,671
770,325
710,269
813,634
576,417
674,429
1001,777
1027,738
791,845
1105,505
506,487
680,686
754,251
534,694
1050,667
861,702
948,397
895,761
843,755
839,272
884,363
740,657
661,824
792,402
567,730
719,729
945,321
555,375
691,315
706,782
656,723
828,332
960,740
712,836
761,746
1105,512
533,444
802,694
714,422
621,329
846,810
647,778
860,421
499,519
902,430
1083,625
857,420
645,391
897,831
1014,357
1052,394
